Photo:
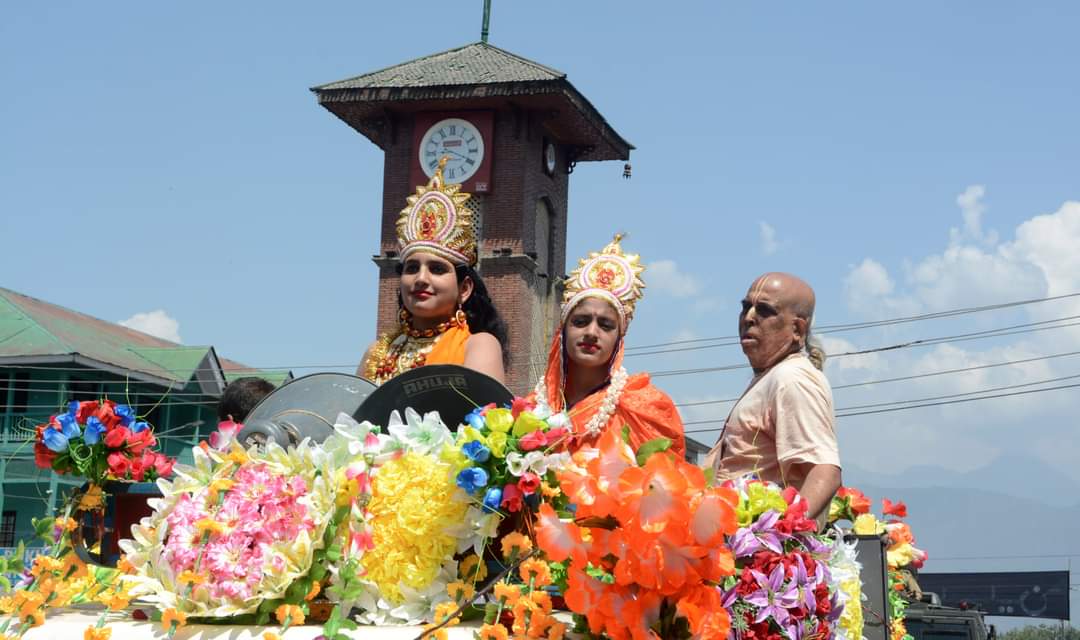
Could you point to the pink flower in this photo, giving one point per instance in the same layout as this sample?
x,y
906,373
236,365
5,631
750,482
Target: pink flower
x,y
529,483
116,438
533,440
556,435
227,430
519,405
511,498
163,465
119,464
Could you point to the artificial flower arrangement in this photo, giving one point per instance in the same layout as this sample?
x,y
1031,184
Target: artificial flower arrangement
x,y
100,440
385,524
645,551
785,584
900,552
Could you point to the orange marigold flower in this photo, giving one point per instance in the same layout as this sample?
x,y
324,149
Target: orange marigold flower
x,y
290,612
68,524
270,635
171,617
43,564
557,631
92,499
494,632
190,577
471,568
549,491
123,565
515,544
535,572
93,633
507,594
211,525
443,611
438,634
31,603
542,599
117,601
237,455
316,587
35,619
460,591
538,625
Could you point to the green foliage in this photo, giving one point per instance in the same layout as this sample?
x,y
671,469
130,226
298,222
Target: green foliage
x,y
1041,632
43,528
647,449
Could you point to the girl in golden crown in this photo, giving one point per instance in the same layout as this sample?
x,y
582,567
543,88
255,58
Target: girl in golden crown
x,y
585,375
446,314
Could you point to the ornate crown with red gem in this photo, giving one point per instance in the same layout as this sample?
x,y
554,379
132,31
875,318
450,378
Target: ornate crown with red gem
x,y
610,275
437,221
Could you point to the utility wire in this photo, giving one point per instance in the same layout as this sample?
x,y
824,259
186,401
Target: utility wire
x,y
904,408
916,376
836,328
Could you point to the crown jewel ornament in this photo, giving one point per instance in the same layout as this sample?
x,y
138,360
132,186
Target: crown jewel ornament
x,y
437,221
612,276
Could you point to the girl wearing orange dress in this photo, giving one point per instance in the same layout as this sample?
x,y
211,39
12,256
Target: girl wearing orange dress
x,y
446,314
585,374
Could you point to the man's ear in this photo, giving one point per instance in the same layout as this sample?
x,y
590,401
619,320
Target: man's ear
x,y
465,290
801,327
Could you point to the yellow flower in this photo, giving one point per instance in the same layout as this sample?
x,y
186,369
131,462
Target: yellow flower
x,y
270,635
535,572
497,444
93,633
443,611
548,491
472,569
507,594
290,612
237,455
460,591
211,525
43,564
92,499
190,577
868,525
452,455
499,420
542,599
68,524
414,503
851,621
436,634
515,545
7,605
527,423
171,617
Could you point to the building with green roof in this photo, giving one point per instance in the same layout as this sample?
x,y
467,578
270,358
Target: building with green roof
x,y
50,355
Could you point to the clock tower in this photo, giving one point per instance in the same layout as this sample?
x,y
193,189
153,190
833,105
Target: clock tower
x,y
512,131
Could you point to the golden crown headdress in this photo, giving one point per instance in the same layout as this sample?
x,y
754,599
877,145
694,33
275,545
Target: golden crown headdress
x,y
610,275
437,221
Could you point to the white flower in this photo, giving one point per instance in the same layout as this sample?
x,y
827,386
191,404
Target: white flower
x,y
558,420
515,463
536,462
556,461
357,434
425,435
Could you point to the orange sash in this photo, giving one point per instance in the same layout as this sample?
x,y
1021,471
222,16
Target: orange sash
x,y
450,347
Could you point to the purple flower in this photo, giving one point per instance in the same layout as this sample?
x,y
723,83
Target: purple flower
x,y
761,534
773,598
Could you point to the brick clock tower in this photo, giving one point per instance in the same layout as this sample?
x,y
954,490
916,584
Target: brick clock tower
x,y
513,131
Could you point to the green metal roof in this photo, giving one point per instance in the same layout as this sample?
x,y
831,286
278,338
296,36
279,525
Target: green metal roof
x,y
477,63
34,331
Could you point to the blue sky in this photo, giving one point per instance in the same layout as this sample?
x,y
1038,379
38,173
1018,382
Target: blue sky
x,y
169,157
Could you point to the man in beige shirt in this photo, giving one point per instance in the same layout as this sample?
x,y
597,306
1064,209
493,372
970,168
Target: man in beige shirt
x,y
782,427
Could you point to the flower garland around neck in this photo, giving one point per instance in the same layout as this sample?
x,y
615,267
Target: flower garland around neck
x,y
607,408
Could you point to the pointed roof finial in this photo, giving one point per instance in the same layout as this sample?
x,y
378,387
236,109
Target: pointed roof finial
x,y
487,22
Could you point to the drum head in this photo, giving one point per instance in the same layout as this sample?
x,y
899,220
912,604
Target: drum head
x,y
304,408
450,389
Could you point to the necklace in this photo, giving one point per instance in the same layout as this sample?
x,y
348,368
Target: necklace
x,y
607,408
409,348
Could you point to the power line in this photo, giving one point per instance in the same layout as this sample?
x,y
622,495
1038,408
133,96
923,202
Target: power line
x,y
904,408
836,328
916,376
1030,327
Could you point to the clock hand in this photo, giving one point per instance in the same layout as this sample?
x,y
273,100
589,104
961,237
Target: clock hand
x,y
455,153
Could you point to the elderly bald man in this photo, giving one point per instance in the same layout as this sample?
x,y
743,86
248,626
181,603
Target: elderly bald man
x,y
781,429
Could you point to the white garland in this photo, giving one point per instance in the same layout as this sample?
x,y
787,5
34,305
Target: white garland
x,y
607,408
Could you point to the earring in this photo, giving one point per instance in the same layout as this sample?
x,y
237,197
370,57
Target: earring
x,y
460,318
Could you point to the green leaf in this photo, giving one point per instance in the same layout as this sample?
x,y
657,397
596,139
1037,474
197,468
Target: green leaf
x,y
651,447
333,623
626,433
349,624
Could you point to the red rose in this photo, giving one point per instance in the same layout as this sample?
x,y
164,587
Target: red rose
x,y
106,413
117,438
511,498
533,440
86,409
556,435
137,442
529,482
119,464
43,456
519,405
163,465
138,468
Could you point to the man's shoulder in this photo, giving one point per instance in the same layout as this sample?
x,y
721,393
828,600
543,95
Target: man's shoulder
x,y
797,370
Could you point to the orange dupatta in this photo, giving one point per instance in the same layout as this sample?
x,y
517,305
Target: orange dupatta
x,y
648,411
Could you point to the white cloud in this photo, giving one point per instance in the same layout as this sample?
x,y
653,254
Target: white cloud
x,y
664,275
768,238
972,210
157,323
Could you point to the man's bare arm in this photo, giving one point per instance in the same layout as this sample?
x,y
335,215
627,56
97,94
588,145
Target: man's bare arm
x,y
822,481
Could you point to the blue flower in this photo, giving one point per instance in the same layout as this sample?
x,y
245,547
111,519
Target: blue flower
x,y
68,426
126,413
472,479
73,407
475,420
94,429
476,451
54,440
138,426
493,498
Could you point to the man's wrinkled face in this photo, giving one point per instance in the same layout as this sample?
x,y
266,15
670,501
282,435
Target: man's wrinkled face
x,y
768,328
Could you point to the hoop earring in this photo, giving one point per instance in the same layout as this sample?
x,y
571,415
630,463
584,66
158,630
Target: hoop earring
x,y
460,317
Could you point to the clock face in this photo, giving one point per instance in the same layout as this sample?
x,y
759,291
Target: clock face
x,y
459,141
549,158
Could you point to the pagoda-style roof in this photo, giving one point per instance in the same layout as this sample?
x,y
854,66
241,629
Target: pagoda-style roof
x,y
35,332
486,76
